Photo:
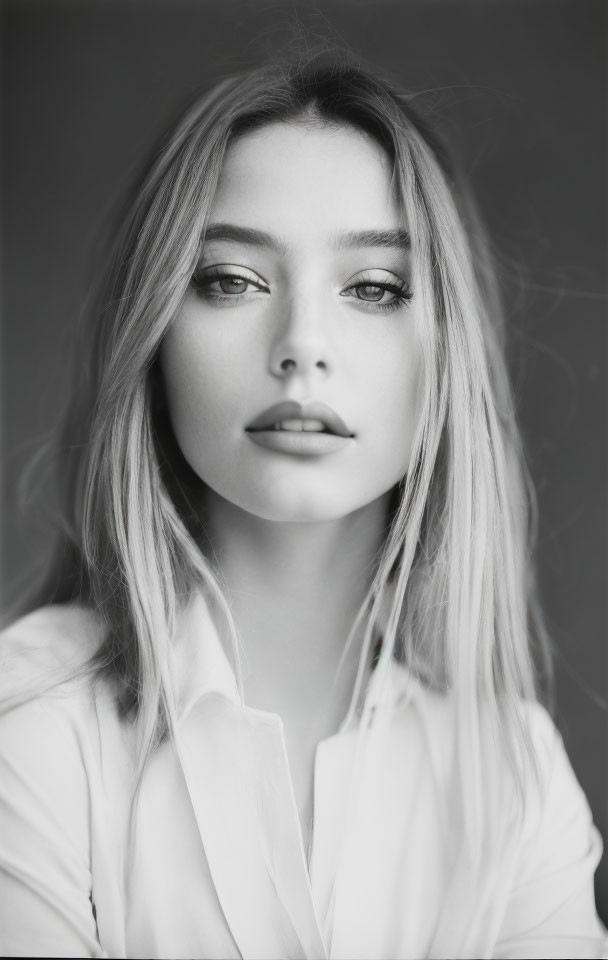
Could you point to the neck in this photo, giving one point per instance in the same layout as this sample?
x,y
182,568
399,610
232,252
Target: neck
x,y
295,590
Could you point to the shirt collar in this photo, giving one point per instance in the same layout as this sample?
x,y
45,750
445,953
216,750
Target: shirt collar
x,y
200,664
202,667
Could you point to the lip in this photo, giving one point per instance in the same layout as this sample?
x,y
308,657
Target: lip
x,y
291,410
300,444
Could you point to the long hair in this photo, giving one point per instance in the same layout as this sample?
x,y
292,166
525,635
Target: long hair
x,y
455,568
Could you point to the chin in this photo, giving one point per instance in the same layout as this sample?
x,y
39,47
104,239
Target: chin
x,y
304,508
288,499
289,502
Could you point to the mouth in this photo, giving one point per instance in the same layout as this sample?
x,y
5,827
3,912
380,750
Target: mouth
x,y
301,426
292,417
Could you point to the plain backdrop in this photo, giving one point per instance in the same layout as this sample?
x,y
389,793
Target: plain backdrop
x,y
519,87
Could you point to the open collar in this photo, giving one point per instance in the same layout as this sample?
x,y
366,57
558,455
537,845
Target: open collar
x,y
201,667
235,766
237,774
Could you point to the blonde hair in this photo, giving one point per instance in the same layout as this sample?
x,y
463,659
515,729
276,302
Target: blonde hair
x,y
455,567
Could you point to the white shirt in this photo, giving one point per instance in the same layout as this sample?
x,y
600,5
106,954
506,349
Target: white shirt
x,y
216,866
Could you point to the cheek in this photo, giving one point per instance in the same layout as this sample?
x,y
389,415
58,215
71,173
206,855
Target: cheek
x,y
394,386
198,385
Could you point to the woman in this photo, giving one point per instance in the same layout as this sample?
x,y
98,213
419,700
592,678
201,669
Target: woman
x,y
280,699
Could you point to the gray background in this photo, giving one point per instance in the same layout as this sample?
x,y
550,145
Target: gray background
x,y
520,87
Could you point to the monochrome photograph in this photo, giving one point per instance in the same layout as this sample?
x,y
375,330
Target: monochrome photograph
x,y
303,650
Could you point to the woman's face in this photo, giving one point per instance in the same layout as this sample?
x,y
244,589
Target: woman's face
x,y
292,369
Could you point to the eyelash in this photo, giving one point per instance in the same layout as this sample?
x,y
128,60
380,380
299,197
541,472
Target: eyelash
x,y
202,285
402,292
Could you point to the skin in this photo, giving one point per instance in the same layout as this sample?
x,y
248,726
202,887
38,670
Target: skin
x,y
298,318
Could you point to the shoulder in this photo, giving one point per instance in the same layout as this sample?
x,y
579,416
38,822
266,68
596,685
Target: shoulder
x,y
49,699
57,723
62,627
557,811
437,712
47,645
550,910
50,776
536,745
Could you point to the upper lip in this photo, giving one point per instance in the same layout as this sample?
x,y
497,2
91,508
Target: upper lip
x,y
290,410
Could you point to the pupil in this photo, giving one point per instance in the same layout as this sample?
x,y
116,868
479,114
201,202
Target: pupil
x,y
233,285
369,291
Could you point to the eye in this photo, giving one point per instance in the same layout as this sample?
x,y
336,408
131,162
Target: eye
x,y
225,282
371,292
378,290
229,284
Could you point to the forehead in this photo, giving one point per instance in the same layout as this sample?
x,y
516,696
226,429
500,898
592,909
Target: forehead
x,y
305,179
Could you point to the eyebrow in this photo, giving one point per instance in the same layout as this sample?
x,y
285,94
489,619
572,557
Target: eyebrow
x,y
247,235
229,232
374,238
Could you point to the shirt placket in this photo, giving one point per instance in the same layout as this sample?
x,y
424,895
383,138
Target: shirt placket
x,y
235,764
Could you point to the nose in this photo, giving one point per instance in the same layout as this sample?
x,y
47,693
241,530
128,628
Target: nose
x,y
301,346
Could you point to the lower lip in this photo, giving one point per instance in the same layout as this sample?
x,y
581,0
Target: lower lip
x,y
299,443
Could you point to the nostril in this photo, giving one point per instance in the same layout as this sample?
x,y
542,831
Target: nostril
x,y
288,364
